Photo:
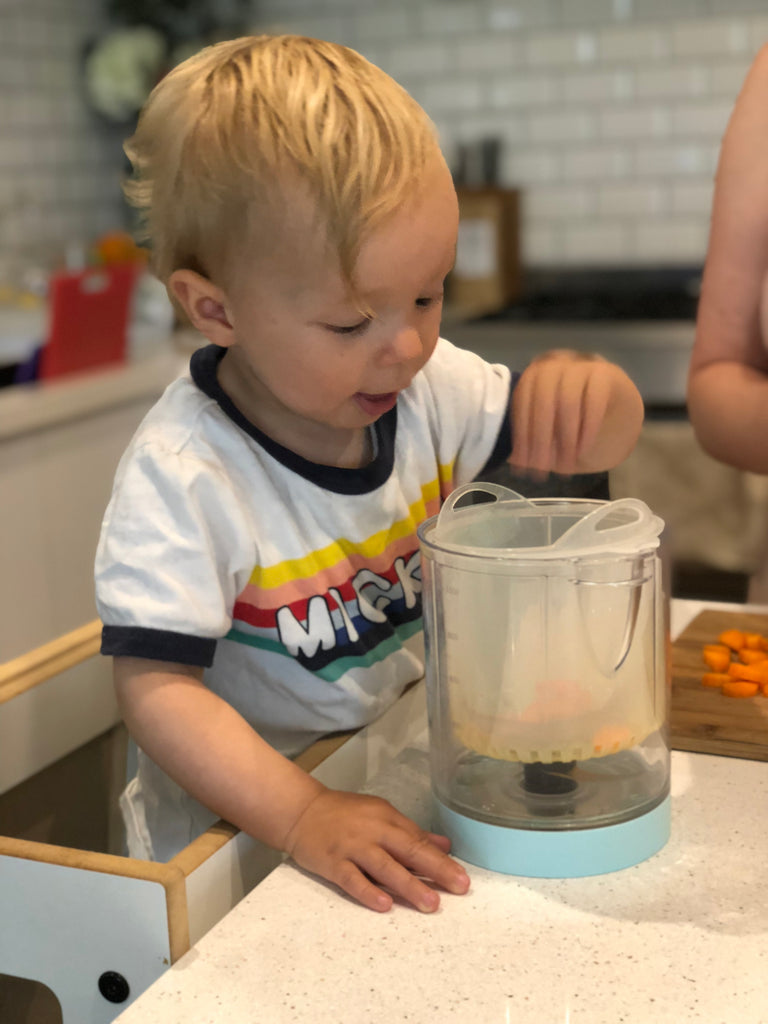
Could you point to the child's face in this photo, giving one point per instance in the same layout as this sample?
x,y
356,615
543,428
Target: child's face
x,y
308,364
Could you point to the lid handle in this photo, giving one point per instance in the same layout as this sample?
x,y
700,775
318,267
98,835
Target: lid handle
x,y
636,524
498,492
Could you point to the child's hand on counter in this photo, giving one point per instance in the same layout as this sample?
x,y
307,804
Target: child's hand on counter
x,y
362,842
204,744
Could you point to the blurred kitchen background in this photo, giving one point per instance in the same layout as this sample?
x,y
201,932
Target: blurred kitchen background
x,y
609,112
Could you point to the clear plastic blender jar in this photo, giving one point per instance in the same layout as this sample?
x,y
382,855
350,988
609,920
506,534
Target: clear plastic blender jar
x,y
545,628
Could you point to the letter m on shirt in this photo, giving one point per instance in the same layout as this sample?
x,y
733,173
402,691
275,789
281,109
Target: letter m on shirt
x,y
317,634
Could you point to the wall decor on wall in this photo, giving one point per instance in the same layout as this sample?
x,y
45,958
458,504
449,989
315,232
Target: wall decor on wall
x,y
143,41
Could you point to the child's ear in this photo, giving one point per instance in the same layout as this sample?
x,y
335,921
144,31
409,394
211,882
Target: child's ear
x,y
204,303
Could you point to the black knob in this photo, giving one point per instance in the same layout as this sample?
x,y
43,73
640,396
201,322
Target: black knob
x,y
114,987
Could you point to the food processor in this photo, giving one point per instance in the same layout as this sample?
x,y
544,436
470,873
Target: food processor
x,y
545,625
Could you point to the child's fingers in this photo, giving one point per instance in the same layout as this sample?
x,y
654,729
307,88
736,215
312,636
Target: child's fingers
x,y
354,883
358,879
559,408
359,842
595,405
441,842
422,857
568,396
532,418
376,867
547,415
540,426
581,405
389,872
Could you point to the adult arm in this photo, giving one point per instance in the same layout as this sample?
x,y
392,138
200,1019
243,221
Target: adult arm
x,y
728,377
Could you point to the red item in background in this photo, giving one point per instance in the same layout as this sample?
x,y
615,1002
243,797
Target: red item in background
x,y
88,319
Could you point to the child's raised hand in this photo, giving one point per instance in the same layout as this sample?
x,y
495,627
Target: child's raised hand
x,y
573,413
358,841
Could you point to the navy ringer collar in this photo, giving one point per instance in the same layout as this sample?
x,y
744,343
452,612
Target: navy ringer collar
x,y
203,368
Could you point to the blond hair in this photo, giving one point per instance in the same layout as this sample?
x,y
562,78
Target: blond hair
x,y
222,134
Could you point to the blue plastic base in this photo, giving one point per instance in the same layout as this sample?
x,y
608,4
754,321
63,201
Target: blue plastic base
x,y
555,854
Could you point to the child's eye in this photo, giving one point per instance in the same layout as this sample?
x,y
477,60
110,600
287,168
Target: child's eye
x,y
357,328
427,300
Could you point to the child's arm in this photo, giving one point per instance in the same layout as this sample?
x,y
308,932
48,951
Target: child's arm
x,y
573,413
212,753
728,379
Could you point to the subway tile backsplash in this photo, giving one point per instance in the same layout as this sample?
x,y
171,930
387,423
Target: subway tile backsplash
x,y
60,168
610,112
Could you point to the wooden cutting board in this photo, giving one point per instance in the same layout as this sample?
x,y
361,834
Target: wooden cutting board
x,y
701,718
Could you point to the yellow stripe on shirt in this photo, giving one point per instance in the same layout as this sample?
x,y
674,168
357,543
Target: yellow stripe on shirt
x,y
309,565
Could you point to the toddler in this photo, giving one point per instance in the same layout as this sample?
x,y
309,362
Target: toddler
x,y
258,569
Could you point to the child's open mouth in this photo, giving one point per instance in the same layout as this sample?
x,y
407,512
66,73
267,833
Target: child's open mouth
x,y
376,405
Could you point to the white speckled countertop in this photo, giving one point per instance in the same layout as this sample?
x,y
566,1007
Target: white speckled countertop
x,y
682,937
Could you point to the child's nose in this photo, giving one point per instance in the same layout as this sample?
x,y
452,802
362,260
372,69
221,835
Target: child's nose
x,y
404,344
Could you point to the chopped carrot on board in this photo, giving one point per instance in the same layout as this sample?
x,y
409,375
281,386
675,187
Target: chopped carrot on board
x,y
718,660
753,673
752,657
739,688
716,678
738,663
752,641
733,638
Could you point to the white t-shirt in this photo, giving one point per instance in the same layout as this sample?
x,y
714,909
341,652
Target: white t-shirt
x,y
296,586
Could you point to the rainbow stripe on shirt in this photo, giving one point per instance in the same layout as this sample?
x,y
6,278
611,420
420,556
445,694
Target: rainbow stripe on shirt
x,y
348,604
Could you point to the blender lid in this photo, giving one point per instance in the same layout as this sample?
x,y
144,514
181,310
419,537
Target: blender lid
x,y
543,528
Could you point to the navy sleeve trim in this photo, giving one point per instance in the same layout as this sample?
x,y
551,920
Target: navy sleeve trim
x,y
158,645
503,447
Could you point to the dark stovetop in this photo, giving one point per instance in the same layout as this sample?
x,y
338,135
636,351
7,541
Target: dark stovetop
x,y
610,294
